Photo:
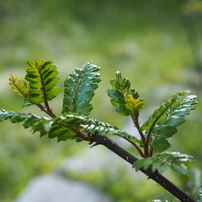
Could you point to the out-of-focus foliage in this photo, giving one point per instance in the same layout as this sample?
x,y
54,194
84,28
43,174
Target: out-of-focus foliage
x,y
145,40
199,194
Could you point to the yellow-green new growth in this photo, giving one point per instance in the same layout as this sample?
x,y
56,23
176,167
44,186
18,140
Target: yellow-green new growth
x,y
19,86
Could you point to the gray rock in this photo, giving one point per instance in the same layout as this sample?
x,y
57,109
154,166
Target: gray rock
x,y
94,159
56,188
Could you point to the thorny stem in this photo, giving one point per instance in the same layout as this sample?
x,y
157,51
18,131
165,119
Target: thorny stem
x,y
105,141
164,182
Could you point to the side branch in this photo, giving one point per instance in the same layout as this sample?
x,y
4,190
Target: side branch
x,y
164,182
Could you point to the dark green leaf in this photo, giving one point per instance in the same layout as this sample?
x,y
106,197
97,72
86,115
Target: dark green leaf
x,y
158,200
174,121
125,100
162,161
102,128
143,163
160,144
160,111
79,89
174,117
63,127
28,119
60,127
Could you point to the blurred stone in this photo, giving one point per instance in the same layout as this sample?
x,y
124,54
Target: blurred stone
x,y
96,159
56,188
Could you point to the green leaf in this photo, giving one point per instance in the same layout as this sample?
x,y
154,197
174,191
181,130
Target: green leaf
x,y
160,111
118,100
161,144
143,163
28,119
125,99
174,117
162,161
79,89
66,127
18,86
62,127
42,77
158,200
92,126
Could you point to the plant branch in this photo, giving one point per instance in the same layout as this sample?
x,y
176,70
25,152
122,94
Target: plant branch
x,y
135,121
151,128
164,182
136,146
46,110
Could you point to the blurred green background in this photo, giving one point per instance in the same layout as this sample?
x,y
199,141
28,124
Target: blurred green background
x,y
156,44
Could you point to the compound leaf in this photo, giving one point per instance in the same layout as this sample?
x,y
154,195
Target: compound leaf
x,y
94,126
19,86
42,77
28,119
63,127
79,89
125,99
174,117
159,113
66,127
162,161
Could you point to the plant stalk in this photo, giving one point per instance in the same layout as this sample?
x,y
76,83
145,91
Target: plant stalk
x,y
156,176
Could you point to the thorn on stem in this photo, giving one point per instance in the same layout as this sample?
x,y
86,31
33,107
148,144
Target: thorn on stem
x,y
96,144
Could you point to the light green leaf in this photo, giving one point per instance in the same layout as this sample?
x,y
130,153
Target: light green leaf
x,y
42,77
18,86
79,89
